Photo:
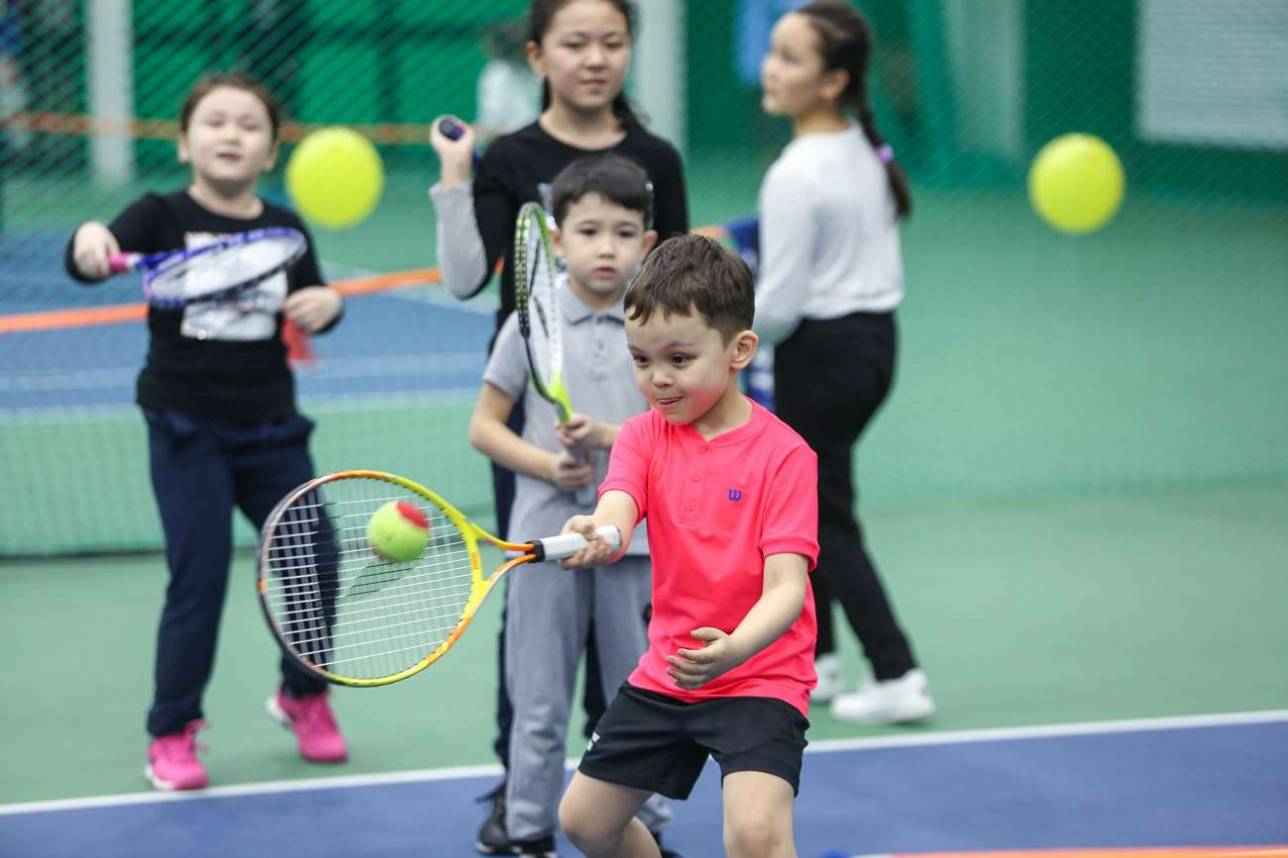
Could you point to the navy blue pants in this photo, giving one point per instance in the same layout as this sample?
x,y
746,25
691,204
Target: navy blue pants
x,y
201,471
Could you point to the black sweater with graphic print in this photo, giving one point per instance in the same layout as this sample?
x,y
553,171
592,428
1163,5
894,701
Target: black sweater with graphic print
x,y
229,362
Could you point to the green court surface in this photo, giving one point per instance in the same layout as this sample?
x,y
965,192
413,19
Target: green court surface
x,y
1149,355
1077,493
1111,606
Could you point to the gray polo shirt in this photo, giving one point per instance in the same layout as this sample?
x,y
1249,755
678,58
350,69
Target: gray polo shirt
x,y
601,384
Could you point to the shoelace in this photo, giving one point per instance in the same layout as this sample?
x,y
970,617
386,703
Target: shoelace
x,y
185,744
314,712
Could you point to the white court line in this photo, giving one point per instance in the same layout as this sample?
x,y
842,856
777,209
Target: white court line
x,y
341,782
418,364
1092,728
958,737
313,404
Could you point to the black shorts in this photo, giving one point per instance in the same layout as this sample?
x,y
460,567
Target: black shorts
x,y
653,742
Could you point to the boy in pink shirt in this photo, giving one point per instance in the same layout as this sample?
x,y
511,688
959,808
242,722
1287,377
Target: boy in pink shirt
x,y
730,494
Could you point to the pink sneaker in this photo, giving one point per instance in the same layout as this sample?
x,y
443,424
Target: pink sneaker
x,y
172,760
314,724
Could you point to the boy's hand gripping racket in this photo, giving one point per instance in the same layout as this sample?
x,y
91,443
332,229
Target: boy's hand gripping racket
x,y
216,271
536,302
354,618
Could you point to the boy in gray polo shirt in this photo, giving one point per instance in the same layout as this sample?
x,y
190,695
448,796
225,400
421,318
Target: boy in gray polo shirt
x,y
602,206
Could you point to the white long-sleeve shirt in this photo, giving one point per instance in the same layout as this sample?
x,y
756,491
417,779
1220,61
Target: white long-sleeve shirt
x,y
829,235
461,257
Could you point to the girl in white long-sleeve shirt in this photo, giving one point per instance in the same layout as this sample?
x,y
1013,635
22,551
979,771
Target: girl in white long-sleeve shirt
x,y
831,277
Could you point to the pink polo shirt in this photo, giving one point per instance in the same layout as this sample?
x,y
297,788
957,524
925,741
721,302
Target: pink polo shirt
x,y
716,509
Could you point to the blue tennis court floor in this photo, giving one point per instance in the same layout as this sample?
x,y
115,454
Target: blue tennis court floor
x,y
1175,782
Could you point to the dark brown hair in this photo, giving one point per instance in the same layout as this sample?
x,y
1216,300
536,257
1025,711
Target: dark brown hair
x,y
845,43
691,273
542,15
236,80
616,179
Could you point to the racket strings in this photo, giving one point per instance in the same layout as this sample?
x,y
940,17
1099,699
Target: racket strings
x,y
345,609
229,267
540,301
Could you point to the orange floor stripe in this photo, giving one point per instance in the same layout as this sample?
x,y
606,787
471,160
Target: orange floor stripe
x,y
114,314
74,318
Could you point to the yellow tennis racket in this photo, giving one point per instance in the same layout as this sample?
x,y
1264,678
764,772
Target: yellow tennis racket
x,y
356,616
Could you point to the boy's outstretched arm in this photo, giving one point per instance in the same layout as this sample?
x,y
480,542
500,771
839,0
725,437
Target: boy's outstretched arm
x,y
616,508
781,599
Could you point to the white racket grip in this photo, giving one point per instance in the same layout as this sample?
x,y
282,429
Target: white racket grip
x,y
119,263
568,544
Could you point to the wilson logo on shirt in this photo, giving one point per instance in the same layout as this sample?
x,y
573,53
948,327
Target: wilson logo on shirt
x,y
735,495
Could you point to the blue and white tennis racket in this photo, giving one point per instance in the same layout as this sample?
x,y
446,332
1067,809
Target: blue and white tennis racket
x,y
215,271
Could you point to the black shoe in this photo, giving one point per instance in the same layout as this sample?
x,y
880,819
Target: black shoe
x,y
542,847
493,839
666,853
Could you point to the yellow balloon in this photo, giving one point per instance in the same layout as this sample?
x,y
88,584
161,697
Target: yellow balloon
x,y
1076,183
335,177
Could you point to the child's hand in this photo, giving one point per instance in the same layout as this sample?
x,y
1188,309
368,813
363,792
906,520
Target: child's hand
x,y
694,668
456,156
568,472
91,247
596,554
580,431
313,307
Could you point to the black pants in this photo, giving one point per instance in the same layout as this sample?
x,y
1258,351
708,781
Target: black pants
x,y
593,701
830,377
201,471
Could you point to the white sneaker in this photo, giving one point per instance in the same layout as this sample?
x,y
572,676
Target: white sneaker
x,y
831,681
894,701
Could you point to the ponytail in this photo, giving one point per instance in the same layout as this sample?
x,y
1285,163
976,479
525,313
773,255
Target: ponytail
x,y
897,178
846,44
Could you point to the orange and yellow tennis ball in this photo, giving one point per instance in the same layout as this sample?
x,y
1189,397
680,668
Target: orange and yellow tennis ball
x,y
335,177
398,531
1076,183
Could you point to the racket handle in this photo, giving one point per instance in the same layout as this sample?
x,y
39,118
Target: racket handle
x,y
568,544
450,128
119,263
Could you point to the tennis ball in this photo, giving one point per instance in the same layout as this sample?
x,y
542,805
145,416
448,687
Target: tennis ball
x,y
334,177
1076,183
398,531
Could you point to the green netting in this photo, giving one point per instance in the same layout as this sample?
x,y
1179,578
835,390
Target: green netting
x,y
1149,354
